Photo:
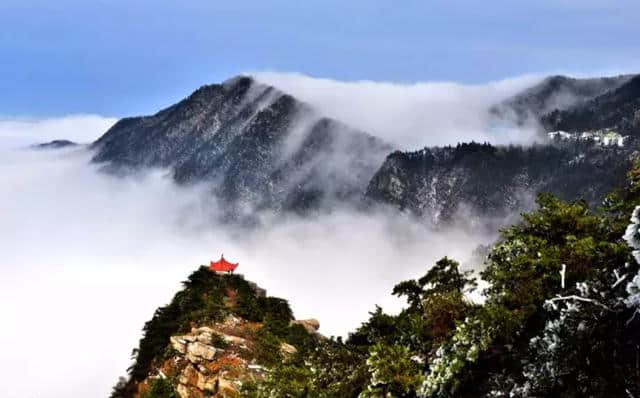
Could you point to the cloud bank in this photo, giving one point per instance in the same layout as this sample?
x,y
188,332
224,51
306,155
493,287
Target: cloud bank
x,y
77,128
87,257
412,116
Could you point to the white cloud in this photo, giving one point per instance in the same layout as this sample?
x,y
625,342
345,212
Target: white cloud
x,y
411,115
86,258
77,128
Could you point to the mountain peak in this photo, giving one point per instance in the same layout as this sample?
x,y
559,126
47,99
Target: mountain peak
x,y
256,146
218,335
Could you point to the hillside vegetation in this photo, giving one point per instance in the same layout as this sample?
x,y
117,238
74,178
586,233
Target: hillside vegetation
x,y
560,318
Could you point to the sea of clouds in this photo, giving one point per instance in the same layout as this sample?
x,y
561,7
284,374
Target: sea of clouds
x,y
86,257
414,115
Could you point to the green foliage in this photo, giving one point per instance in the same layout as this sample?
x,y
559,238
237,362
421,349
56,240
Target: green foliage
x,y
161,388
278,315
392,371
267,350
218,341
202,299
379,327
332,369
445,277
298,336
524,269
287,380
561,318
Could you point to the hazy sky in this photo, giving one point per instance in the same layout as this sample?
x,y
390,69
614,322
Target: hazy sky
x,y
120,57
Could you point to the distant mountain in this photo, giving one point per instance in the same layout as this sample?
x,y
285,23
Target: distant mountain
x,y
55,144
600,119
257,146
556,93
617,109
437,184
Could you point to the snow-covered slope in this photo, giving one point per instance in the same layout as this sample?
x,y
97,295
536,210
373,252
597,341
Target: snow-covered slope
x,y
469,180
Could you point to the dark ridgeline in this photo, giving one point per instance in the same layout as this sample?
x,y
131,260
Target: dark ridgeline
x,y
618,109
262,148
480,179
556,93
55,144
259,148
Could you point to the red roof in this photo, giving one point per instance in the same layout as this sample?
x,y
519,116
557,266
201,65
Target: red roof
x,y
222,265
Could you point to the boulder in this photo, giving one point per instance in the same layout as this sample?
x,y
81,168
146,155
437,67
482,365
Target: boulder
x,y
235,340
204,338
179,344
310,325
201,350
287,349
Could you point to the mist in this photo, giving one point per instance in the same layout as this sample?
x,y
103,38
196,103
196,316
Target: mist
x,y
16,132
87,257
412,116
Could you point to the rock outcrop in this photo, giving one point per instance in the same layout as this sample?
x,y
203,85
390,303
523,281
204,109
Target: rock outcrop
x,y
219,336
310,325
216,360
213,360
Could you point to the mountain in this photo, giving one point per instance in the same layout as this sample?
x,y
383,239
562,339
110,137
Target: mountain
x,y
437,184
220,335
598,119
257,147
556,93
559,319
55,144
617,109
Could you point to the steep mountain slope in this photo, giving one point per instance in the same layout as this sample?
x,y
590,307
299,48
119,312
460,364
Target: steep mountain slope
x,y
599,114
480,179
219,335
258,147
556,93
618,109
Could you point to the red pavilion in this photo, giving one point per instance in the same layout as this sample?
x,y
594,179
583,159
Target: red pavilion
x,y
222,265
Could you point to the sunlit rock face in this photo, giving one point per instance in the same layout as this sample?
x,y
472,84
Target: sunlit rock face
x,y
257,146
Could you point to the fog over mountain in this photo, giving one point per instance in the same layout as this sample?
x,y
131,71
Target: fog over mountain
x,y
413,115
91,254
87,257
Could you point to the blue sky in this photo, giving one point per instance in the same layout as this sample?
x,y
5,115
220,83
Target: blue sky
x,y
119,58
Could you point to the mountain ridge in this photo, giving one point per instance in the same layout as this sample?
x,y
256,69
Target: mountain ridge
x,y
260,147
437,184
557,92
